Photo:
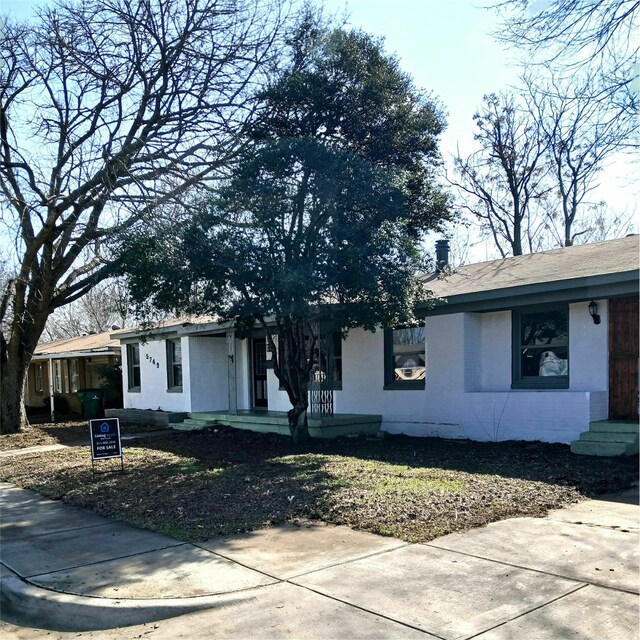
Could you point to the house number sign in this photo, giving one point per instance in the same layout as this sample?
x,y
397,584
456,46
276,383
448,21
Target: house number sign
x,y
153,361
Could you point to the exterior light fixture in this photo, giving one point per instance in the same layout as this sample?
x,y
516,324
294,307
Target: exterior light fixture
x,y
593,312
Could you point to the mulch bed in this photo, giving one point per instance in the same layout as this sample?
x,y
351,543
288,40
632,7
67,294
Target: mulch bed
x,y
67,431
197,485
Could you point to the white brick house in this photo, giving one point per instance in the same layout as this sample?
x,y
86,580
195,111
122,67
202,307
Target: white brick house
x,y
483,341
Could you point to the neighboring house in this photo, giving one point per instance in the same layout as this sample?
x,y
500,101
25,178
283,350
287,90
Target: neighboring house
x,y
67,366
511,349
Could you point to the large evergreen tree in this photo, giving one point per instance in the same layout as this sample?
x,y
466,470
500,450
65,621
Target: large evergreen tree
x,y
323,215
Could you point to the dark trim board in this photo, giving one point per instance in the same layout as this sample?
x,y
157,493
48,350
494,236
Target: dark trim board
x,y
569,291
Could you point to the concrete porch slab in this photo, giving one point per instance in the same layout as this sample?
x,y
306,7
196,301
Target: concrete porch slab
x,y
443,593
596,555
291,550
77,547
339,424
175,572
592,612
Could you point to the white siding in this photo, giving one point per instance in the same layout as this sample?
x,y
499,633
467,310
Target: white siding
x,y
468,381
153,392
208,370
495,351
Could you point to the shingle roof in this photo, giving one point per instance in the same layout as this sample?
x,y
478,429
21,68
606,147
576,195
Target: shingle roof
x,y
166,326
96,343
557,265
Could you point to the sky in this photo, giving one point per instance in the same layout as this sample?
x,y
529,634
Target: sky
x,y
446,46
448,49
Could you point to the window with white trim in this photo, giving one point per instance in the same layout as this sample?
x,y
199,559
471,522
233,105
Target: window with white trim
x,y
133,367
57,376
38,381
174,365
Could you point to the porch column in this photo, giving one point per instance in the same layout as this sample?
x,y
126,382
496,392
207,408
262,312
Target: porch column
x,y
53,411
231,352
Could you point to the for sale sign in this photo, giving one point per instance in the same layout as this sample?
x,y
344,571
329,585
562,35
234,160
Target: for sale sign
x,y
105,438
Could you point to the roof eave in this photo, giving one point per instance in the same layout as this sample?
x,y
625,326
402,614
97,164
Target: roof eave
x,y
573,290
85,353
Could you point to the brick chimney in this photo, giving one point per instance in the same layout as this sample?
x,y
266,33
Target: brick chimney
x,y
442,255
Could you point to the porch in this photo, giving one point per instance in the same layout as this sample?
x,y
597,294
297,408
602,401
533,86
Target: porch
x,y
342,424
608,438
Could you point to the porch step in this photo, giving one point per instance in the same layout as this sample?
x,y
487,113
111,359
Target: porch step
x,y
193,424
344,424
586,448
608,438
612,426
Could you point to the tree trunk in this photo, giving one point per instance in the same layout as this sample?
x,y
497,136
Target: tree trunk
x,y
13,416
16,358
298,425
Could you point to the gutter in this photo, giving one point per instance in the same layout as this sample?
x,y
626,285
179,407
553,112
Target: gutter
x,y
575,290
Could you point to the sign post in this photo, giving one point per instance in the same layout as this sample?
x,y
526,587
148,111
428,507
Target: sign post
x,y
105,441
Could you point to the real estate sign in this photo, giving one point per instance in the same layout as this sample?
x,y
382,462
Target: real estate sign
x,y
105,438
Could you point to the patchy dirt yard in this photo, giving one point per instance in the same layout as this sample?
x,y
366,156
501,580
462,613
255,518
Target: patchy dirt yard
x,y
195,486
67,431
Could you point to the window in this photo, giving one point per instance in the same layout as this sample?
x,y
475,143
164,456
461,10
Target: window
x,y
73,374
133,367
174,364
65,376
541,348
57,376
38,379
405,358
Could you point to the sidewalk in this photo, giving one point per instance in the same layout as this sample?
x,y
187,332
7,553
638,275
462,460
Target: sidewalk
x,y
573,574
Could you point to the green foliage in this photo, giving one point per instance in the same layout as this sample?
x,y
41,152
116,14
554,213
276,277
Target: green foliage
x,y
111,375
323,213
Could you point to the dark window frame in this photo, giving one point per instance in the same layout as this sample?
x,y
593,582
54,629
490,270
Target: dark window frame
x,y
172,365
390,382
131,368
520,381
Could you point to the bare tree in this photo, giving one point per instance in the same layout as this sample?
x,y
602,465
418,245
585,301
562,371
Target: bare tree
x,y
600,35
108,109
601,223
99,310
580,134
503,181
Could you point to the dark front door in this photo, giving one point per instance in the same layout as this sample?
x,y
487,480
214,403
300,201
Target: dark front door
x,y
260,372
623,358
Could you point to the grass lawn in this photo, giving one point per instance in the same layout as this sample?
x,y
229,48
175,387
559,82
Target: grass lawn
x,y
197,485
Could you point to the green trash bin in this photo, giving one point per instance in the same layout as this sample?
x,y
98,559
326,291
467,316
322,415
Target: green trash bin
x,y
91,401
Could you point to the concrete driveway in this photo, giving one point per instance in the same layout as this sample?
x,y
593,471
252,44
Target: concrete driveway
x,y
67,573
